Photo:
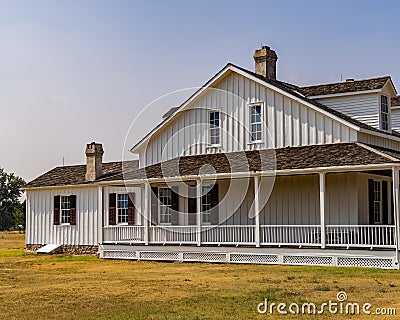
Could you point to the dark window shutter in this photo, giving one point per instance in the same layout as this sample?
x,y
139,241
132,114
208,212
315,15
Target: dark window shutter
x,y
154,205
175,206
56,212
385,205
192,206
112,209
131,208
371,200
72,210
214,200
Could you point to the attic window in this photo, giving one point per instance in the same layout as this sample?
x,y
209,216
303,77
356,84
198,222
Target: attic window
x,y
384,113
255,122
214,127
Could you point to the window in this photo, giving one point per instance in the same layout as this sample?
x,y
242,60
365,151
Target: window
x,y
377,202
164,195
255,123
122,207
214,127
65,210
384,114
206,204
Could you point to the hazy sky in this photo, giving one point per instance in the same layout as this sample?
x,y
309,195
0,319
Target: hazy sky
x,y
72,72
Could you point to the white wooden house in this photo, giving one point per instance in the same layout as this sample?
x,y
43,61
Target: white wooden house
x,y
249,169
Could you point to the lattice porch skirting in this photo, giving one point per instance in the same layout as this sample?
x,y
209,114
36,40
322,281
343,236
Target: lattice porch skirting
x,y
354,258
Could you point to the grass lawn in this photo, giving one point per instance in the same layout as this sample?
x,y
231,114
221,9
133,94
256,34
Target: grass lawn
x,y
83,287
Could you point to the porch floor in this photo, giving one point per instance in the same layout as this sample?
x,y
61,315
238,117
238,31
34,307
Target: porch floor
x,y
383,259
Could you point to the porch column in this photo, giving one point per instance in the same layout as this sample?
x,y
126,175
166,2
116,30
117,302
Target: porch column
x,y
146,212
322,207
256,211
100,214
396,215
198,211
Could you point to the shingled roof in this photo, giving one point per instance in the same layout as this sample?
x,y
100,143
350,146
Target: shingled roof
x,y
290,158
74,175
395,101
343,87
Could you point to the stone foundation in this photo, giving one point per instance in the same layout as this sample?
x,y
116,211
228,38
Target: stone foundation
x,y
67,249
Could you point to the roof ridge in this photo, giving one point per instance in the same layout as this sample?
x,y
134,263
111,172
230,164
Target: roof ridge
x,y
343,82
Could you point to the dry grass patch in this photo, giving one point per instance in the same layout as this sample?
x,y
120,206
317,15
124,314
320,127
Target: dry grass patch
x,y
68,287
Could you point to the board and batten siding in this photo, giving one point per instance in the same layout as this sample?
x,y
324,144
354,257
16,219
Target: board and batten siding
x,y
294,200
40,220
286,122
362,107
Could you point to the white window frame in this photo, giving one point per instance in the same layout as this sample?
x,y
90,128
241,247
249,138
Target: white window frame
x,y
214,128
122,209
66,210
383,113
378,196
163,202
253,124
205,205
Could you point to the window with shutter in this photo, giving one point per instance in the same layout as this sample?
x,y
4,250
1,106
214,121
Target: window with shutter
x,y
56,211
112,206
72,210
64,210
131,208
378,201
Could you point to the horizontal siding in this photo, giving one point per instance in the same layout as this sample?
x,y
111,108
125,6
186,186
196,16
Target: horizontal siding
x,y
286,122
378,141
364,107
40,227
396,119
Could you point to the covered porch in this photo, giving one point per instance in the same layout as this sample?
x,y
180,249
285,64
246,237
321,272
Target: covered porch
x,y
341,197
324,209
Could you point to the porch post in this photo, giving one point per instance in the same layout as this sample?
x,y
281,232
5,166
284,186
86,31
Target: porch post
x,y
322,207
396,217
146,210
256,211
100,214
198,211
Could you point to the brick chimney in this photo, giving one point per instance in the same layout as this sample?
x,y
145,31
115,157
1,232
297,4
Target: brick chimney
x,y
94,159
265,59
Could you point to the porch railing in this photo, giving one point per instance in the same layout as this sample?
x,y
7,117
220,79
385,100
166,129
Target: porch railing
x,y
309,235
291,235
173,234
123,234
228,235
360,236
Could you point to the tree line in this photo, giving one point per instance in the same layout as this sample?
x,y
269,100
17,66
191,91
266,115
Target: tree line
x,y
12,210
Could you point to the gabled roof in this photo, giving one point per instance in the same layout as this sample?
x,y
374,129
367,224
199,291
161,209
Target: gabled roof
x,y
344,87
289,158
298,92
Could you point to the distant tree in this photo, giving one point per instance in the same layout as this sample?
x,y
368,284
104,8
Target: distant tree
x,y
11,209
